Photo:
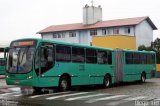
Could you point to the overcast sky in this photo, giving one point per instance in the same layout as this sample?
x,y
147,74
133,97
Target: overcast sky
x,y
23,18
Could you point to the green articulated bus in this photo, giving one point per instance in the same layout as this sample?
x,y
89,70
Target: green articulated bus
x,y
43,63
2,60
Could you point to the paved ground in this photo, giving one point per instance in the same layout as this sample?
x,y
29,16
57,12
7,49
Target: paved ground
x,y
134,94
2,83
150,88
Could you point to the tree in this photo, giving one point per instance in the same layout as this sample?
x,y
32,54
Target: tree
x,y
155,46
142,47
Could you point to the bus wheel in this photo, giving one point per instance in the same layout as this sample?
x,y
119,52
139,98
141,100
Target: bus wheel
x,y
107,81
143,77
64,84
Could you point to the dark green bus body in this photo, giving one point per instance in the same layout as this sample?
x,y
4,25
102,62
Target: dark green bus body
x,y
83,69
3,60
2,66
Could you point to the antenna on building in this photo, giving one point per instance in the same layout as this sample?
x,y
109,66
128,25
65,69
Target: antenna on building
x,y
92,2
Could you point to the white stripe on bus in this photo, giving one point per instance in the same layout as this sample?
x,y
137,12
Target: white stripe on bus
x,y
105,98
35,96
82,97
61,96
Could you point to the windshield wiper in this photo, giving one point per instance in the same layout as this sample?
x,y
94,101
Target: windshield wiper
x,y
20,61
25,51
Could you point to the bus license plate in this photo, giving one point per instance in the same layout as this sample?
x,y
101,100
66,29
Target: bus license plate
x,y
16,82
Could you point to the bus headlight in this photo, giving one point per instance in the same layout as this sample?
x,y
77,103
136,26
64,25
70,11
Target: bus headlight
x,y
7,76
29,77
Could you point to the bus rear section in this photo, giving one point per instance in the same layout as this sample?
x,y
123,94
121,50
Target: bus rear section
x,y
134,65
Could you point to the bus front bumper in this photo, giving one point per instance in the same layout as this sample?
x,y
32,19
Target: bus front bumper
x,y
26,82
41,82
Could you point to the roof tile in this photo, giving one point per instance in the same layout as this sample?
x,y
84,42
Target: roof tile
x,y
108,23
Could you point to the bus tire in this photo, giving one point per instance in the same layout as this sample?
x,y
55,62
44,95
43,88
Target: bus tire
x,y
143,77
107,81
64,84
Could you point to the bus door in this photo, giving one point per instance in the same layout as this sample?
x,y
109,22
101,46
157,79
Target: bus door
x,y
118,72
44,59
78,59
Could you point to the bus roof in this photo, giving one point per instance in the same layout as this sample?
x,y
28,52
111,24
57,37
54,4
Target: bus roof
x,y
138,51
80,45
69,44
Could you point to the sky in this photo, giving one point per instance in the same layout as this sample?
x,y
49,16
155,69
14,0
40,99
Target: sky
x,y
24,18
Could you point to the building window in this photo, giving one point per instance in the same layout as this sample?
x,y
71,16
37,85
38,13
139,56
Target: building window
x,y
116,31
93,32
72,34
59,35
54,35
128,30
63,35
104,32
110,31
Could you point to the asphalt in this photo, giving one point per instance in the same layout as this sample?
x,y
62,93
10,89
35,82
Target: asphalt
x,y
149,91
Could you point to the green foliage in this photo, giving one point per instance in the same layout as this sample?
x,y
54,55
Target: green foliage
x,y
142,47
155,46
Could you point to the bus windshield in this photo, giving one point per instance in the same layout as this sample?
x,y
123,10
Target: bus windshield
x,y
20,58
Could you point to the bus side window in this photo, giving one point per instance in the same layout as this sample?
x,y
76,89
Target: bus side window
x,y
91,56
153,59
50,58
63,53
149,59
102,57
78,54
109,57
129,58
46,59
136,59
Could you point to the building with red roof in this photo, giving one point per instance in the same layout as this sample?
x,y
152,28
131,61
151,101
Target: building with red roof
x,y
92,26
